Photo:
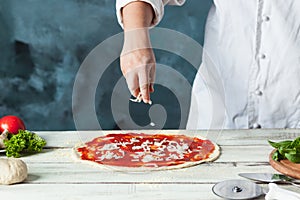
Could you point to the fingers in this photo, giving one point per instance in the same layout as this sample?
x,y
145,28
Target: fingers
x,y
151,88
138,67
139,84
132,80
152,77
144,83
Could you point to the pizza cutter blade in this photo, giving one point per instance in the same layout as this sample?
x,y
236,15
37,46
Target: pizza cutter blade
x,y
238,189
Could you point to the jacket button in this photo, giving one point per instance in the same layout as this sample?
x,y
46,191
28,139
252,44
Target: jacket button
x,y
258,92
262,56
266,18
256,126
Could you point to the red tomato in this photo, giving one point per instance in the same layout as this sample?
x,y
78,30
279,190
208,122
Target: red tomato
x,y
12,124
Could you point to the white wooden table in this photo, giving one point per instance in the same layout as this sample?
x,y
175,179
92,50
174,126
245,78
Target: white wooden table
x,y
53,174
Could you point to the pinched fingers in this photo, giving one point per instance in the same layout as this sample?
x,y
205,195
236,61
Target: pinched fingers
x,y
144,83
140,82
132,81
152,77
138,67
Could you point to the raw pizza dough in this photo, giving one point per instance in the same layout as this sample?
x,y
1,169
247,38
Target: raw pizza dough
x,y
213,156
12,170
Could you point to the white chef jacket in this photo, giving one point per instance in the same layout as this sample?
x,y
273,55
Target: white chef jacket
x,y
250,71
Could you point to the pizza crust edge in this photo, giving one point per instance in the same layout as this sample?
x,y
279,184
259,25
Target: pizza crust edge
x,y
213,156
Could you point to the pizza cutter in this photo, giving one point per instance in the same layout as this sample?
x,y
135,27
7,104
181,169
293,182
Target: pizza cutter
x,y
244,189
238,189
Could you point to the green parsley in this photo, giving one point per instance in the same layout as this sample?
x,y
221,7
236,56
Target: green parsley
x,y
23,141
287,150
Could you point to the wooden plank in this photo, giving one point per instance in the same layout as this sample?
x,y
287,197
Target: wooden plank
x,y
228,154
245,154
81,173
54,175
256,136
225,137
109,191
114,191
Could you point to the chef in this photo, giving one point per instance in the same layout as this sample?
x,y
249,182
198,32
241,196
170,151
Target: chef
x,y
253,46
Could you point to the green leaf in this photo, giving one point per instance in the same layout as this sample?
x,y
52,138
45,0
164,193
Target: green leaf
x,y
287,150
276,145
293,157
277,156
283,150
296,143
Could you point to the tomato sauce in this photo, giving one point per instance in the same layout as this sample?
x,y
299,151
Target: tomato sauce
x,y
144,150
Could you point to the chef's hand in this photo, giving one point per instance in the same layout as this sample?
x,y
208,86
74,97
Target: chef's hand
x,y
138,68
137,57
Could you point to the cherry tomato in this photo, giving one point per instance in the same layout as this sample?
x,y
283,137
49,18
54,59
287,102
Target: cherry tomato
x,y
12,124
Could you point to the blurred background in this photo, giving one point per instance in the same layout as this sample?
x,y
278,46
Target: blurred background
x,y
44,42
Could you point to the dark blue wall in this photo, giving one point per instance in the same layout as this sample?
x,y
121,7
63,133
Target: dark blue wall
x,y
43,43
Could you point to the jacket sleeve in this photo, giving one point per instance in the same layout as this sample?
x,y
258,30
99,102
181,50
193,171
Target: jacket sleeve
x,y
157,5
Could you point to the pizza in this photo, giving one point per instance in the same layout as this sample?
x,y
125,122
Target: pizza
x,y
140,151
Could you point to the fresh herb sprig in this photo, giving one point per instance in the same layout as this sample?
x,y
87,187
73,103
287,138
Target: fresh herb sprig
x,y
23,141
287,150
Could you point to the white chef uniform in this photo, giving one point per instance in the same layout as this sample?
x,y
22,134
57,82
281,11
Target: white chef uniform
x,y
250,72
